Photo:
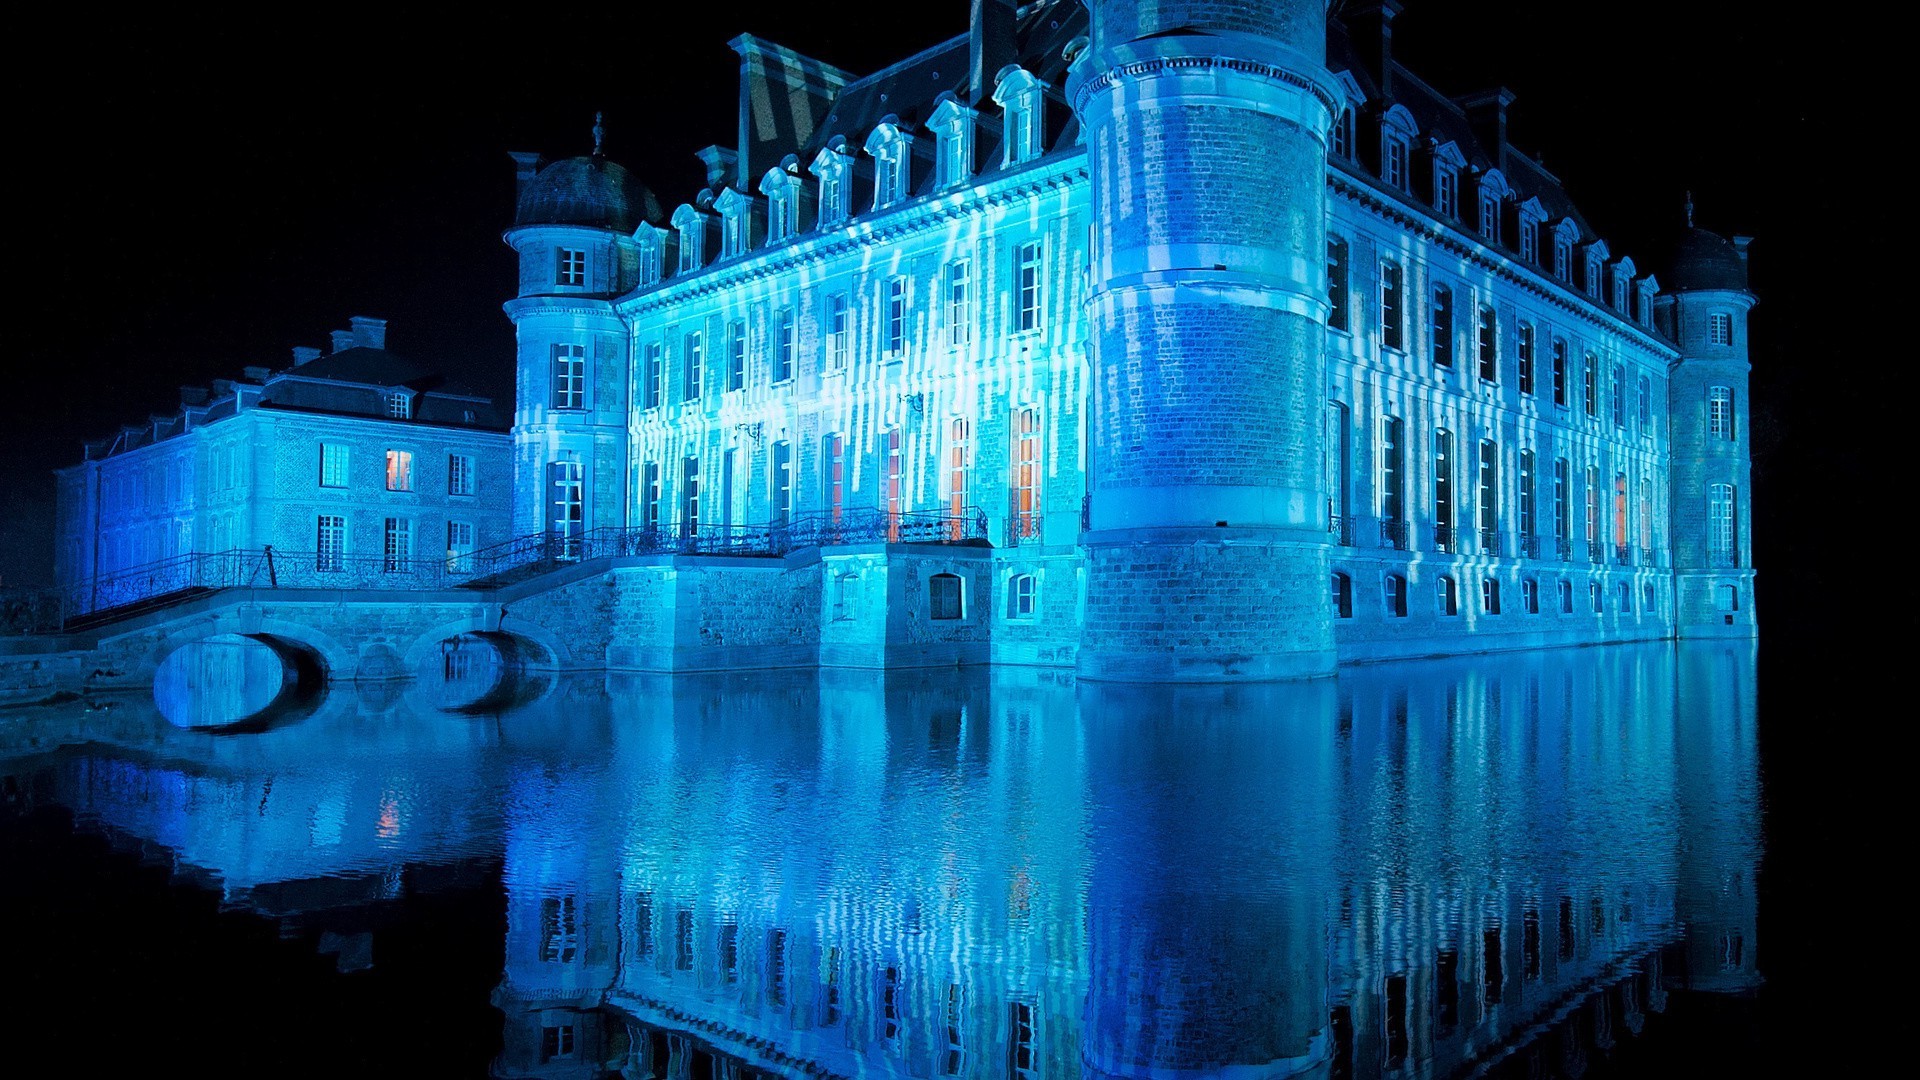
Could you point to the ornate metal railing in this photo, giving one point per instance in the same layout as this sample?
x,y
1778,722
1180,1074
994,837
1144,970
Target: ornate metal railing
x,y
47,611
1490,541
1529,545
1023,526
1563,548
1623,554
1596,551
1393,534
1341,529
1646,556
1443,539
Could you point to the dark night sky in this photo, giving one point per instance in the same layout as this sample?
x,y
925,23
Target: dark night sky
x,y
198,194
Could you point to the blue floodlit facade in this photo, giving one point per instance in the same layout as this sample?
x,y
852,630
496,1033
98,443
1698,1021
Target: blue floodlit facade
x,y
358,467
1247,351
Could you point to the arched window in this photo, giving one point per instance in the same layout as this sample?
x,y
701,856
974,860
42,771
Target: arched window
x,y
946,599
1393,471
1448,596
891,149
1720,328
1022,596
691,226
1530,596
1397,129
1489,498
1018,94
1566,597
953,124
736,218
1394,596
1342,595
1490,596
781,186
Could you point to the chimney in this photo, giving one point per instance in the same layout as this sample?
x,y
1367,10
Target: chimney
x,y
193,395
342,340
525,165
1371,27
255,373
990,46
1487,115
222,387
304,354
721,164
1740,244
369,333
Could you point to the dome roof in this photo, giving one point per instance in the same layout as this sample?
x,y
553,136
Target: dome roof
x,y
1705,261
590,191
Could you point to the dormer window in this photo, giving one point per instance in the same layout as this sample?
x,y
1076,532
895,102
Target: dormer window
x,y
1447,163
1493,193
782,189
651,240
736,218
953,153
889,147
1397,130
1343,134
689,224
1622,278
1531,215
1017,93
833,165
1596,261
1643,291
399,405
571,267
1564,235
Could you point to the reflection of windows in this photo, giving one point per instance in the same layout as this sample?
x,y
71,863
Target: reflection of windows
x,y
559,932
643,924
1396,1020
954,1015
1530,943
730,950
1023,1039
945,600
776,967
683,939
830,990
556,1042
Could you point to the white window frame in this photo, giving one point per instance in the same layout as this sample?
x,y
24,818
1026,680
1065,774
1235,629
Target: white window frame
x,y
330,542
895,325
335,460
569,377
397,545
460,474
839,330
570,267
1029,287
959,278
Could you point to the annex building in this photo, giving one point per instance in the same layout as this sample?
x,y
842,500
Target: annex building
x,y
1182,340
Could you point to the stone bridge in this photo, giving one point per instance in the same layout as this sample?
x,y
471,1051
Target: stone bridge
x,y
662,612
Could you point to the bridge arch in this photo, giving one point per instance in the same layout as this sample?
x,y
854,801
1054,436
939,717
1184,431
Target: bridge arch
x,y
526,644
288,639
229,682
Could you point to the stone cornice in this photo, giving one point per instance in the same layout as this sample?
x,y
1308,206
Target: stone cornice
x,y
1239,65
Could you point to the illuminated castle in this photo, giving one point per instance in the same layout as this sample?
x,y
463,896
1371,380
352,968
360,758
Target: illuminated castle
x,y
1244,350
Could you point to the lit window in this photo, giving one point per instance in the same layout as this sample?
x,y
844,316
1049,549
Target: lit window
x,y
1020,597
1026,285
1391,316
399,546
945,598
1342,596
839,332
399,470
959,302
833,476
894,477
569,376
399,405
736,355
330,543
1720,328
459,474
693,371
1026,473
1529,228
896,325
1720,412
783,345
959,470
571,268
1394,596
1337,317
333,465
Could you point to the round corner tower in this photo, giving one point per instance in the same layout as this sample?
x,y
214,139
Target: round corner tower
x,y
1206,124
573,230
1706,313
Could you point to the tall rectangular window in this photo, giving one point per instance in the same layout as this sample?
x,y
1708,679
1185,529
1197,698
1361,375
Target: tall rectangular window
x,y
1720,412
1617,394
1720,328
959,302
839,332
330,543
1722,536
650,495
959,471
783,345
1394,164
459,546
1526,496
459,474
399,545
399,470
1559,373
1489,497
1490,218
690,496
833,476
1026,472
1443,490
1646,514
1392,318
1593,505
1393,470
896,325
653,377
1026,287
333,465
895,475
572,267
1442,326
399,405
1646,405
567,503
1489,345
1590,385
1526,358
737,355
1447,192
569,377
1620,510
780,476
693,367
1337,316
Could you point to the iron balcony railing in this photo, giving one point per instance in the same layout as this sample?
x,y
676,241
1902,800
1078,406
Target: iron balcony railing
x,y
1490,541
1563,548
1596,551
1646,556
1443,539
1341,529
1393,534
1529,545
1623,554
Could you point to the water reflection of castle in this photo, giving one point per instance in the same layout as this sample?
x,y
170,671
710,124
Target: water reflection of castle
x,y
1422,869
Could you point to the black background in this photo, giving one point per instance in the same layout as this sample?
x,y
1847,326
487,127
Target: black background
x,y
194,192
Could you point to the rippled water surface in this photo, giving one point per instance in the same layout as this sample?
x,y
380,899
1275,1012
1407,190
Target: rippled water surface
x,y
1496,866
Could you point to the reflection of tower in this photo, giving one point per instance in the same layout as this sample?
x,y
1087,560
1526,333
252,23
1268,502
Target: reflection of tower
x,y
1719,803
1706,312
1207,948
1206,127
573,231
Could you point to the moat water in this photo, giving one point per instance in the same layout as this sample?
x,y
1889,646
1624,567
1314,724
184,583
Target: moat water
x,y
1544,864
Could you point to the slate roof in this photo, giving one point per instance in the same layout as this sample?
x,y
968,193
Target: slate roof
x,y
1705,260
589,191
